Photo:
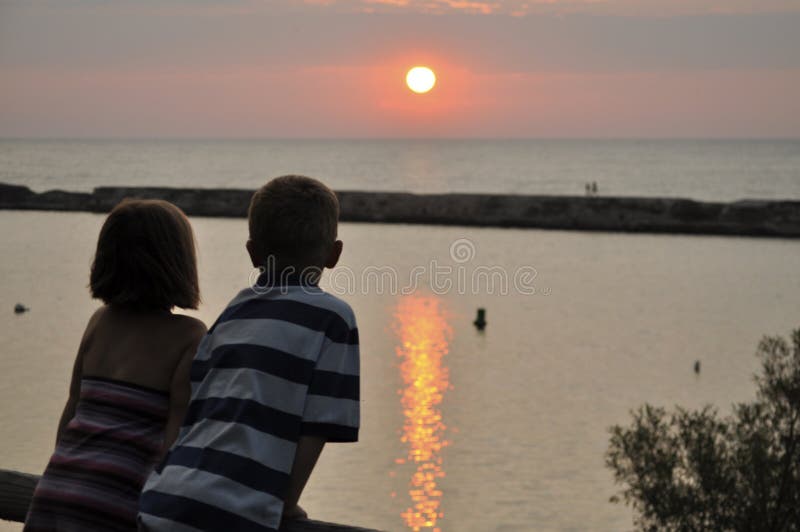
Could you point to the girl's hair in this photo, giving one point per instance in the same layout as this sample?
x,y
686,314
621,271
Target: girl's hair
x,y
146,257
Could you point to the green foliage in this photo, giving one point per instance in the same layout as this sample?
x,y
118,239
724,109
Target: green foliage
x,y
693,470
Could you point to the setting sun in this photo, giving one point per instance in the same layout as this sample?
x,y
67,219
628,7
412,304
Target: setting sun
x,y
420,79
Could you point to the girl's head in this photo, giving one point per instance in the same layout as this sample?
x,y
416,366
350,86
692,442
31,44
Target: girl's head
x,y
146,258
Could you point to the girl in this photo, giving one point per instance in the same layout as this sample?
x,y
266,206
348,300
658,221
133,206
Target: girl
x,y
130,382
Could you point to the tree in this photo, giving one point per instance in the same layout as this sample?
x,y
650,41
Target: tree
x,y
693,470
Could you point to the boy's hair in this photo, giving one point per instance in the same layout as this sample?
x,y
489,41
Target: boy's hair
x,y
146,257
294,218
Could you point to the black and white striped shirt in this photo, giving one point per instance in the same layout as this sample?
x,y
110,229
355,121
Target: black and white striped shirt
x,y
277,365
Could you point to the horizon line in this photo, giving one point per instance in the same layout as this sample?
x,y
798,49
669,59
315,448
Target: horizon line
x,y
391,138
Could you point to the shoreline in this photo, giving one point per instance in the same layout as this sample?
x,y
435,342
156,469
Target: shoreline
x,y
764,218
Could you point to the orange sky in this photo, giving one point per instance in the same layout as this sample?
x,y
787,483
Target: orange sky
x,y
251,68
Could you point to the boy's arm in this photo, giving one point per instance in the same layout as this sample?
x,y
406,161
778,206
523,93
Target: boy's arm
x,y
332,407
308,451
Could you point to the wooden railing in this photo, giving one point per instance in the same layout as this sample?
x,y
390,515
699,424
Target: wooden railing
x,y
16,491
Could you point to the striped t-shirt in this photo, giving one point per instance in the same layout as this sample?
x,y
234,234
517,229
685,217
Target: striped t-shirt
x,y
277,365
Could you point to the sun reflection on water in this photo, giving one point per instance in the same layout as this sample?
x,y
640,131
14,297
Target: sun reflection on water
x,y
424,336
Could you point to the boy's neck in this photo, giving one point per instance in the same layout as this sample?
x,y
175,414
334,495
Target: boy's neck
x,y
289,277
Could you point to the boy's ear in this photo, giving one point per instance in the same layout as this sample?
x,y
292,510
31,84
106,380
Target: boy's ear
x,y
335,253
251,250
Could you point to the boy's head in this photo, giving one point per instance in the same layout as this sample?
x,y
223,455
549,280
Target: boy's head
x,y
146,258
293,219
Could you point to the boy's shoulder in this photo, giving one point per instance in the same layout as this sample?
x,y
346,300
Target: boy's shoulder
x,y
334,304
311,302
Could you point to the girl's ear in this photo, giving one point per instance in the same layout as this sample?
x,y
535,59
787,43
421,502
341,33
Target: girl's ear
x,y
335,253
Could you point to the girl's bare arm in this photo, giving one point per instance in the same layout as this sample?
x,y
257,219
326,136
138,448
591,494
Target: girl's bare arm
x,y
180,388
74,393
77,373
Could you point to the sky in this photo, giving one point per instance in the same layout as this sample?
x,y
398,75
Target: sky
x,y
336,68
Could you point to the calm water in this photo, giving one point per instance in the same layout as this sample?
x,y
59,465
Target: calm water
x,y
700,169
516,418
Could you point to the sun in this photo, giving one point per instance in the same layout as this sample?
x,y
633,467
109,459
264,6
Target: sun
x,y
420,79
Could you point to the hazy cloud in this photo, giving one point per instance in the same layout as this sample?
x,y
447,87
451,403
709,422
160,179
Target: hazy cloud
x,y
130,36
280,68
529,7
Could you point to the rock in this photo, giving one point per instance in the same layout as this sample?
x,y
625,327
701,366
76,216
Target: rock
x,y
605,213
14,194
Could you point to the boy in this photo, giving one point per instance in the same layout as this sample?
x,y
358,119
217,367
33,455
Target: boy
x,y
275,378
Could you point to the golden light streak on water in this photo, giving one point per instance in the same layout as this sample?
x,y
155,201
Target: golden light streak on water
x,y
424,336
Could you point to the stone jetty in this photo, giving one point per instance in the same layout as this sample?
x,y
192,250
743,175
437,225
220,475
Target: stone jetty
x,y
750,217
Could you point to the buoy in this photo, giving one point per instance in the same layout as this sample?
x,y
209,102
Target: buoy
x,y
697,366
480,319
19,308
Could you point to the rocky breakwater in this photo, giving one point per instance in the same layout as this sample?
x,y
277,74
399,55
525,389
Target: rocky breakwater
x,y
628,214
196,202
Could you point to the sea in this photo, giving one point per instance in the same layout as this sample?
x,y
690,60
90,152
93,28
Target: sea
x,y
713,170
502,429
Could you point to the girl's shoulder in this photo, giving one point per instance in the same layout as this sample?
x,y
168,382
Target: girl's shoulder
x,y
162,327
92,325
188,326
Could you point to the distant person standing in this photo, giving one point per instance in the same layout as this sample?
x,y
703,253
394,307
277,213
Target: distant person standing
x,y
130,381
594,188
